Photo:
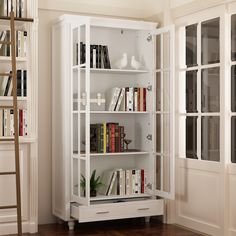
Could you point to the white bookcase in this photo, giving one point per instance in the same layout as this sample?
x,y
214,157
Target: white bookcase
x,y
151,131
28,143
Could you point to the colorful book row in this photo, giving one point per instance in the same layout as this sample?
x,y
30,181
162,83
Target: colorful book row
x,y
123,182
106,138
126,99
7,122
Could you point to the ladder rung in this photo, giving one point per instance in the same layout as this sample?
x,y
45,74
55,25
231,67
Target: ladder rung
x,y
6,107
7,207
7,139
5,74
8,173
5,42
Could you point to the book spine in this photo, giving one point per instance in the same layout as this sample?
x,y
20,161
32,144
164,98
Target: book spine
x,y
133,181
139,109
101,137
118,182
21,123
25,126
94,57
104,137
112,183
11,122
126,98
135,108
98,138
116,138
131,99
113,141
142,180
144,99
138,182
108,137
141,99
122,135
127,180
25,84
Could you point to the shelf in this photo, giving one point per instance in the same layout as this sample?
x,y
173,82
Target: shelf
x,y
10,98
130,152
114,197
114,112
112,71
17,19
21,140
8,59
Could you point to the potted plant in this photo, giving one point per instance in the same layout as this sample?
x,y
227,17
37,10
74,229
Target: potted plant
x,y
94,183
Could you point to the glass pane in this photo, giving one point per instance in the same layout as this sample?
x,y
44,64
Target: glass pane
x,y
191,91
233,37
166,50
191,45
166,173
210,87
158,133
233,139
210,144
166,91
158,91
191,137
211,41
75,177
166,134
158,172
158,51
233,88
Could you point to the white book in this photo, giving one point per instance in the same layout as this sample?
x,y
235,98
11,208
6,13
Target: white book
x,y
135,99
111,187
9,7
3,7
5,123
24,46
127,180
3,37
120,99
131,99
111,98
133,181
138,181
11,122
94,57
123,183
3,84
17,8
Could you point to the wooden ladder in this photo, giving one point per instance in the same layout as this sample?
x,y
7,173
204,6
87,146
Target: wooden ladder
x,y
15,139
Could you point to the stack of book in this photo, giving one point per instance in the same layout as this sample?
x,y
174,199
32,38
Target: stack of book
x,y
21,44
123,182
7,122
106,138
126,99
19,8
99,56
6,84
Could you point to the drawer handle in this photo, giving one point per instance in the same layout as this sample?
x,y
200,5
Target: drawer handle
x,y
143,209
102,212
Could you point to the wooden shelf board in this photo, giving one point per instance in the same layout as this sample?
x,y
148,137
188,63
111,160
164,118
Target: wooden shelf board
x,y
114,197
112,71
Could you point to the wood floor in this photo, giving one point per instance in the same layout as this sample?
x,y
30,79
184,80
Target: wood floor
x,y
130,227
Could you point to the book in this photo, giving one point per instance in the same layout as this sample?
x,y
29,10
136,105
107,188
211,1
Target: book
x,y
120,99
106,179
3,84
112,98
8,85
3,8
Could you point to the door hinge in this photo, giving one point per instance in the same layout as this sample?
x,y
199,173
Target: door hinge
x,y
149,88
149,137
149,38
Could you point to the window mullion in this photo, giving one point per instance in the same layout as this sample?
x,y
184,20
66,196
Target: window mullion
x,y
199,91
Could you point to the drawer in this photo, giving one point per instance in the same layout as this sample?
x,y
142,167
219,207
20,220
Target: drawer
x,y
110,211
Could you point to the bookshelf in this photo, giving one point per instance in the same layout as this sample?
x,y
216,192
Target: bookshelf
x,y
27,101
101,103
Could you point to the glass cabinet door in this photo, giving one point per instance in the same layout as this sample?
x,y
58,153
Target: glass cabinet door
x,y
164,113
80,165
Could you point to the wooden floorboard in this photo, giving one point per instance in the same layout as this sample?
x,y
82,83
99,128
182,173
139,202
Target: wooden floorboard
x,y
129,227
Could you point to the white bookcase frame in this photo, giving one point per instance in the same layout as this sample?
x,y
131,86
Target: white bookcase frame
x,y
69,204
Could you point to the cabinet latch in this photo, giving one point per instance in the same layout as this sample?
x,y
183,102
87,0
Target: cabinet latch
x,y
149,137
149,38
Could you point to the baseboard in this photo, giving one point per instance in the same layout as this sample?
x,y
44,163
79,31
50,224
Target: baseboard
x,y
11,228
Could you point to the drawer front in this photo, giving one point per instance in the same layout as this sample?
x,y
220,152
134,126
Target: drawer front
x,y
117,210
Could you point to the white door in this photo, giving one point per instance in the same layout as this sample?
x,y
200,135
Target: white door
x,y
163,106
80,87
